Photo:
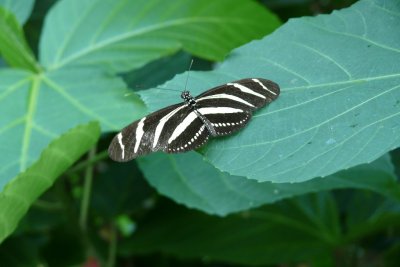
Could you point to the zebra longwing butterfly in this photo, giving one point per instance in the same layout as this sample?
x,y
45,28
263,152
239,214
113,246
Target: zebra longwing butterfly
x,y
219,111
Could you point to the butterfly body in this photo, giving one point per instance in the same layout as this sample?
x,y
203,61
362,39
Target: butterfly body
x,y
186,126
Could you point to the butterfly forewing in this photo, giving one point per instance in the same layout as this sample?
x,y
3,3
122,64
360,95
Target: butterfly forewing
x,y
182,127
249,94
245,95
147,134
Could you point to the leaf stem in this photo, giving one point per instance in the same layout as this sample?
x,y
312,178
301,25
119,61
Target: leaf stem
x,y
47,205
89,162
112,250
87,188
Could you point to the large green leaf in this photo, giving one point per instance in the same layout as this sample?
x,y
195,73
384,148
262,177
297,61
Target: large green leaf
x,y
189,180
306,228
34,103
38,108
24,189
21,8
121,35
301,229
13,46
340,100
158,71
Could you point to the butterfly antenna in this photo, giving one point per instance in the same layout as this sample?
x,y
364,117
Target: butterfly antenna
x,y
187,77
156,87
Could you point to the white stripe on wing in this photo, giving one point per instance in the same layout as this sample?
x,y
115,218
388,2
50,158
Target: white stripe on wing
x,y
162,123
192,116
263,86
231,97
244,89
139,134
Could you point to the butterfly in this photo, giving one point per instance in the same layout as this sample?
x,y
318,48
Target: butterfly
x,y
219,111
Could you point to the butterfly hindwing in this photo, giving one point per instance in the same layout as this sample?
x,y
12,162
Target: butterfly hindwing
x,y
189,134
225,124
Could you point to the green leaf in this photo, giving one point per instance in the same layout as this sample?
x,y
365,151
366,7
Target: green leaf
x,y
120,189
39,108
13,46
340,99
191,181
301,229
21,8
370,213
158,72
122,35
278,233
23,190
34,103
19,252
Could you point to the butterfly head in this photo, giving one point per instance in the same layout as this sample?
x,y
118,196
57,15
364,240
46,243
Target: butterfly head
x,y
188,98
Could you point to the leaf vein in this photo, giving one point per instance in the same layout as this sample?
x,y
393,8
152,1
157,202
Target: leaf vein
x,y
326,57
354,36
344,140
78,105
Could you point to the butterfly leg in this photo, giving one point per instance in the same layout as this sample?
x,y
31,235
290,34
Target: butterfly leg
x,y
206,122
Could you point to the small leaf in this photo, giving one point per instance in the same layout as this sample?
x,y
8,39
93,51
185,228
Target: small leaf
x,y
340,100
189,180
370,213
13,46
128,34
17,196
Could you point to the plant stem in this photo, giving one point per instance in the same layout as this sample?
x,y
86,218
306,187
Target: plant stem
x,y
89,162
47,205
112,250
87,188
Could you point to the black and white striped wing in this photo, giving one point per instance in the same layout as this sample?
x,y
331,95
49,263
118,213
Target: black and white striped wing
x,y
147,134
183,127
173,129
247,94
244,96
190,133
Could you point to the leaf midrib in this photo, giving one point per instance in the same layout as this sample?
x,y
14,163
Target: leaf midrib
x,y
32,103
78,105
